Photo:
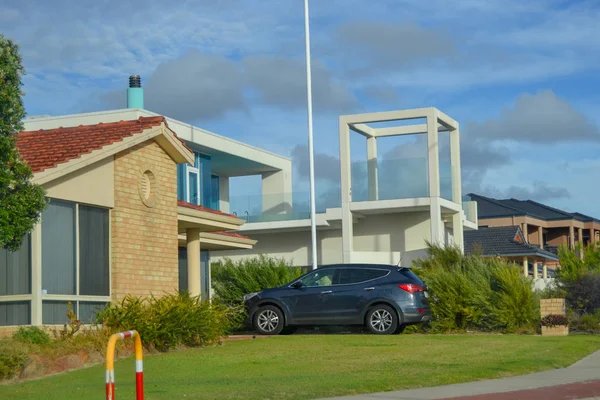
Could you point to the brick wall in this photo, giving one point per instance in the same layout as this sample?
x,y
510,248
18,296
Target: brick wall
x,y
552,306
144,239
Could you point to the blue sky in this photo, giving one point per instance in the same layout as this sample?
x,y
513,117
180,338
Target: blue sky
x,y
521,77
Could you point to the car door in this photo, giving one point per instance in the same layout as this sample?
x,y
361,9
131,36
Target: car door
x,y
310,304
355,287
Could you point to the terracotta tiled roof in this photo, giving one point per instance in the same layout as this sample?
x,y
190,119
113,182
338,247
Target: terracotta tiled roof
x,y
232,234
47,148
185,204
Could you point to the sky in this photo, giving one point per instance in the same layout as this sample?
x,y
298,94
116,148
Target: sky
x,y
520,77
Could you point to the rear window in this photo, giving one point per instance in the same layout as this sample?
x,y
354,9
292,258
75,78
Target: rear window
x,y
358,275
410,275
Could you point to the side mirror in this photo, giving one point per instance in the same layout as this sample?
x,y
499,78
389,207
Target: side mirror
x,y
297,284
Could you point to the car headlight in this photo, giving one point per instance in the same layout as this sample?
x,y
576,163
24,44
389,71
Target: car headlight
x,y
249,296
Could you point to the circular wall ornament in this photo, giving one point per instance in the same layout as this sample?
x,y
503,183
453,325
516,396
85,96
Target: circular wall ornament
x,y
147,188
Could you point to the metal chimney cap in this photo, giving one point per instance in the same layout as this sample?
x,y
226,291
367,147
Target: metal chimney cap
x,y
135,81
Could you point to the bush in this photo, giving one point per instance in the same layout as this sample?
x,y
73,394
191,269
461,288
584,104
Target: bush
x,y
232,280
32,334
169,321
12,359
554,320
476,293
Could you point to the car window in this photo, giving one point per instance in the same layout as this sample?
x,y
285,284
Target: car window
x,y
356,275
319,278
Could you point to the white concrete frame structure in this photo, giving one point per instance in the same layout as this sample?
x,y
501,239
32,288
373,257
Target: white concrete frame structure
x,y
436,121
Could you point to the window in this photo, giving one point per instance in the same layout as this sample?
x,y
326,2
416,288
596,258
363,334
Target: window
x,y
319,278
196,184
93,252
15,270
204,270
15,313
348,276
75,260
58,248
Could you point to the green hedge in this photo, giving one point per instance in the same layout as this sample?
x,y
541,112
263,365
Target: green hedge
x,y
232,280
169,321
476,293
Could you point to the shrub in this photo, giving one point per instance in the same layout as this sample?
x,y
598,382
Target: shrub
x,y
554,320
31,334
476,293
12,359
169,321
232,280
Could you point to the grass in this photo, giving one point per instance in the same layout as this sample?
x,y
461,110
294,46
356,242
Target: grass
x,y
314,366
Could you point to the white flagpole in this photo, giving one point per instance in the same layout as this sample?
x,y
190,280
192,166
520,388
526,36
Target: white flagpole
x,y
311,155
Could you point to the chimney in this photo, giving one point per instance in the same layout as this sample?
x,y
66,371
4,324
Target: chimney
x,y
135,93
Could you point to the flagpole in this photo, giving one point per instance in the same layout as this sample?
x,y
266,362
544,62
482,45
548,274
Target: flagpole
x,y
311,155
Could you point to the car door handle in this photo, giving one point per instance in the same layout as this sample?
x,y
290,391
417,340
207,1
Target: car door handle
x,y
326,292
369,288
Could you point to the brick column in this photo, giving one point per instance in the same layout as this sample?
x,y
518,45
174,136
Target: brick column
x,y
193,261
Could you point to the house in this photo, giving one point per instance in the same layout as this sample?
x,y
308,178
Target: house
x,y
114,223
509,243
543,226
388,217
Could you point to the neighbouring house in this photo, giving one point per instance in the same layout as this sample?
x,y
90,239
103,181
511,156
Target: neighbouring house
x,y
542,226
388,216
113,224
509,242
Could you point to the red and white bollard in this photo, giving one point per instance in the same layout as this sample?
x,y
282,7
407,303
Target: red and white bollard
x,y
110,364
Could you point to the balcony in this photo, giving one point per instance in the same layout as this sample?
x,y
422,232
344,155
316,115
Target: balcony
x,y
397,179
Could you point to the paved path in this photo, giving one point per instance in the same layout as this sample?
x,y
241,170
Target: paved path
x,y
579,381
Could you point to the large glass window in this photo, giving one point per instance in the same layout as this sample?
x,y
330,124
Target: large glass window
x,y
196,184
15,313
216,195
58,248
93,251
75,260
15,270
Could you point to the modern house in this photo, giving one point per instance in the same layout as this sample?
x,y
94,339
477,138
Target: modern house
x,y
114,222
542,226
509,242
387,217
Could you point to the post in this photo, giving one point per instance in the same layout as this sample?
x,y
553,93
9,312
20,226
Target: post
x,y
346,189
541,237
437,225
36,275
455,163
311,156
545,272
372,168
110,364
525,232
193,261
433,155
535,270
572,237
525,267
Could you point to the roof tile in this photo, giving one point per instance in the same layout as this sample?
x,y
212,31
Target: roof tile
x,y
46,148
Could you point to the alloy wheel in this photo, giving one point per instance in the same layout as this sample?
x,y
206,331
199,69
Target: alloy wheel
x,y
268,321
381,320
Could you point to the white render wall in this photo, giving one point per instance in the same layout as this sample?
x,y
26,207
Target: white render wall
x,y
384,238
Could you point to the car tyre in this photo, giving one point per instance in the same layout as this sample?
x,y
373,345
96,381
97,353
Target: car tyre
x,y
268,320
382,320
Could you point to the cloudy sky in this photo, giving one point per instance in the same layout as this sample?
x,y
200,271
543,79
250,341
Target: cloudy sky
x,y
521,77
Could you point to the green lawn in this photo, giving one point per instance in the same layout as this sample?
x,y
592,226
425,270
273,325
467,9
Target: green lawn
x,y
313,366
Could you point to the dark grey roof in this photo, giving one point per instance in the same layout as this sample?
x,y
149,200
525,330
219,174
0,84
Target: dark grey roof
x,y
502,241
493,208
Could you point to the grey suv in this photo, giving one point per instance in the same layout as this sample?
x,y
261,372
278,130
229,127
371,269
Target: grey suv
x,y
384,298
